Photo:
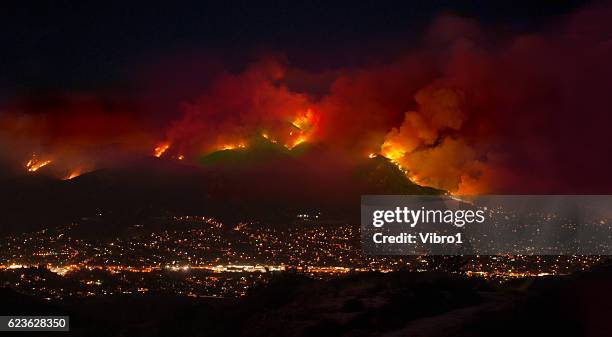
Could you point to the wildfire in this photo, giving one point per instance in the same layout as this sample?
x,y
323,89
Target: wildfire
x,y
268,137
297,142
392,151
233,146
304,126
76,172
73,174
35,164
305,122
415,179
160,149
181,157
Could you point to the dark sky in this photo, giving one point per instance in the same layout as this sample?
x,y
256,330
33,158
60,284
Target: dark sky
x,y
90,45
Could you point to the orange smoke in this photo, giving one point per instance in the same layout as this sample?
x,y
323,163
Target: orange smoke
x,y
423,146
237,108
71,130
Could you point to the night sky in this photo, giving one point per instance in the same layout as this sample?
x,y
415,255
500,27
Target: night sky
x,y
77,45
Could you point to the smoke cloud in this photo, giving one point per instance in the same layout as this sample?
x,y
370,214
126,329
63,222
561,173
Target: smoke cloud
x,y
237,108
74,133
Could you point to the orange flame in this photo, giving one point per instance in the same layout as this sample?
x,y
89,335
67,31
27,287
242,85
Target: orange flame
x,y
35,164
160,149
392,151
240,145
73,174
297,142
305,125
305,122
268,137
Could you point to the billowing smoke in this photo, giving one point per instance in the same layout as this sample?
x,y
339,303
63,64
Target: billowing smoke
x,y
440,108
496,115
238,107
429,143
71,134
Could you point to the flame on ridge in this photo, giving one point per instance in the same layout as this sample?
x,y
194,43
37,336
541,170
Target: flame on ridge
x,y
73,174
34,164
160,149
305,125
240,145
393,154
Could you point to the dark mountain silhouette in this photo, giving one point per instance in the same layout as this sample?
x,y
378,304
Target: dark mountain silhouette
x,y
266,182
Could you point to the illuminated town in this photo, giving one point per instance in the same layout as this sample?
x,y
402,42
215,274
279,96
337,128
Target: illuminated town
x,y
198,256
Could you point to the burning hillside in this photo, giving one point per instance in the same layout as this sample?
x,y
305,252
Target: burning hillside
x,y
457,113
